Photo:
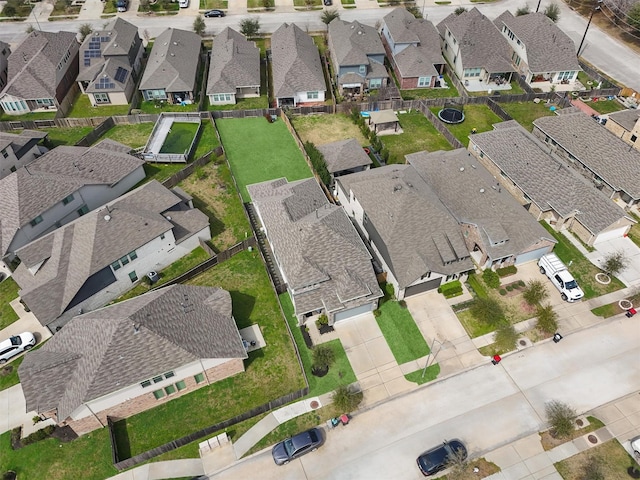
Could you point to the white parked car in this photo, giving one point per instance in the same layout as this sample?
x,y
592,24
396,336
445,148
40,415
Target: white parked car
x,y
183,3
16,345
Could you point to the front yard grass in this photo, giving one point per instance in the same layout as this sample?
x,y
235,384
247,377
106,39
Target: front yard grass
x,y
449,92
430,374
418,135
213,4
526,112
479,117
8,292
582,269
613,458
82,108
270,372
340,372
65,136
134,136
611,309
401,332
259,151
634,233
321,129
179,138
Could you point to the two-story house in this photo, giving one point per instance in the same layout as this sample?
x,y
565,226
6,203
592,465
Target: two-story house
x,y
542,53
18,150
42,70
85,264
297,70
413,49
357,57
60,186
110,60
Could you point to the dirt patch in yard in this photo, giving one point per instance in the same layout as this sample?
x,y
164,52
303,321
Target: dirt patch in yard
x,y
321,129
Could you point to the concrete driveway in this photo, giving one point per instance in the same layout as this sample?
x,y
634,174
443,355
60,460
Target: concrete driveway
x,y
630,276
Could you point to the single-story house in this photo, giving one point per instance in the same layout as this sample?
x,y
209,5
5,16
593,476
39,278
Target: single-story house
x,y
413,49
416,240
497,230
132,356
542,53
60,186
298,77
172,68
322,259
595,152
625,124
234,69
546,186
18,150
344,157
91,261
42,70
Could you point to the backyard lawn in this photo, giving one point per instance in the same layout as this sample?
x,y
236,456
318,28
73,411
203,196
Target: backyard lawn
x,y
479,117
179,138
401,332
46,115
82,108
159,107
606,106
418,135
135,135
208,139
449,92
65,136
8,293
259,151
270,372
582,269
526,112
321,129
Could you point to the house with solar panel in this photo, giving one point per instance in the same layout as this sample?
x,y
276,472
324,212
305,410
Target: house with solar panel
x,y
110,59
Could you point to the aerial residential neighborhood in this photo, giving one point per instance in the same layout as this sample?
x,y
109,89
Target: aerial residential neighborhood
x,y
319,240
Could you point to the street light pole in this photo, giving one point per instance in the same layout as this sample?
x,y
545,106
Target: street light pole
x,y
427,363
596,8
34,16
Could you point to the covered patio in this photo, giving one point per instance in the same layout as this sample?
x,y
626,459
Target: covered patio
x,y
384,121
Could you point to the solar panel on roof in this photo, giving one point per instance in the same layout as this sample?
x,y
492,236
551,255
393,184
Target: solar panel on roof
x,y
94,45
105,83
104,39
121,75
87,62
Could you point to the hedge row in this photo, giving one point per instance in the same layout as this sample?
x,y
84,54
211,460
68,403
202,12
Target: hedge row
x,y
451,289
506,271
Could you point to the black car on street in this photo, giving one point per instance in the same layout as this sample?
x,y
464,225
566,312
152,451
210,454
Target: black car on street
x,y
437,459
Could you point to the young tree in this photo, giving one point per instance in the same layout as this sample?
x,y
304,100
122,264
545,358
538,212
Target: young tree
x,y
459,466
345,399
547,319
328,15
506,336
323,357
535,292
199,26
614,262
487,310
553,12
250,27
560,417
592,469
413,10
84,31
459,11
523,10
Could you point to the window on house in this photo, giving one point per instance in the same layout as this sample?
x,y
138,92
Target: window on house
x,y
424,81
375,83
633,138
124,260
181,385
36,221
312,95
101,98
5,154
83,210
362,69
115,265
133,277
145,384
158,379
133,255
169,375
158,394
67,200
199,378
162,237
170,389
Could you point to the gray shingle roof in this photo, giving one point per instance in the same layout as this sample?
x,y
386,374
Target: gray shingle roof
x,y
235,63
474,197
322,256
627,119
343,155
597,148
33,66
173,62
353,42
90,243
544,179
548,49
101,352
30,191
108,73
22,141
481,43
295,62
419,234
419,58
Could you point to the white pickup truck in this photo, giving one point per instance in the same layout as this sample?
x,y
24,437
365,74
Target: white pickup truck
x,y
552,267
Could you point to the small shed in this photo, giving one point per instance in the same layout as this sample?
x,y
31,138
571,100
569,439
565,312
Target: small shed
x,y
384,120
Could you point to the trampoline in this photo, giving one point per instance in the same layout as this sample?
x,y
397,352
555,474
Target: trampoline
x,y
451,114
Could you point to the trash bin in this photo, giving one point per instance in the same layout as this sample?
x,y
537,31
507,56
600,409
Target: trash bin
x,y
496,359
557,337
631,312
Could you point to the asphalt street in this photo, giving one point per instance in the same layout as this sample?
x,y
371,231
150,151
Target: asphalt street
x,y
487,407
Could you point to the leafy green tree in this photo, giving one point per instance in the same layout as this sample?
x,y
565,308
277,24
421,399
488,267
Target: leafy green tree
x,y
633,16
268,4
547,319
413,10
250,27
523,10
345,399
199,26
318,162
328,15
553,12
491,278
614,262
535,292
30,29
459,11
85,30
506,336
560,417
323,357
487,310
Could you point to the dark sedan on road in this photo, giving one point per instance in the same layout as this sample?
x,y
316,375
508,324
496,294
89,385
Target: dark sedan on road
x,y
214,13
436,459
297,446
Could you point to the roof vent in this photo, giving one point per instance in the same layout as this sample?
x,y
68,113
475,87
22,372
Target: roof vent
x,y
482,190
168,217
462,169
107,218
397,187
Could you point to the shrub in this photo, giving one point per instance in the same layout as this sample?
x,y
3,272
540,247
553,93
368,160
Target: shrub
x,y
614,263
521,283
503,291
345,399
506,271
560,417
491,278
487,310
318,162
39,435
322,320
535,292
506,336
377,312
450,289
402,304
509,288
323,357
547,319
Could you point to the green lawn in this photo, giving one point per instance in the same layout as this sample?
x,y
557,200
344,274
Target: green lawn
x,y
65,135
634,233
82,108
208,140
472,325
401,332
479,117
430,374
449,92
270,372
582,269
49,115
62,7
612,309
153,108
613,459
340,372
606,106
211,4
179,138
160,171
9,377
418,135
259,151
242,104
526,112
321,129
8,292
135,135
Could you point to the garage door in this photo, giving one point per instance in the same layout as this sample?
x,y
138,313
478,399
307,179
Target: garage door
x,y
422,287
533,255
617,233
352,312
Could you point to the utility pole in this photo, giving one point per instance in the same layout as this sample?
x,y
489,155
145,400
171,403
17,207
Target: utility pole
x,y
595,9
